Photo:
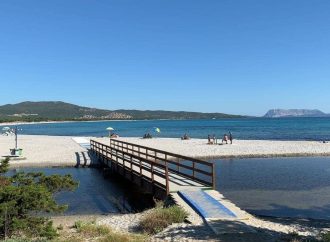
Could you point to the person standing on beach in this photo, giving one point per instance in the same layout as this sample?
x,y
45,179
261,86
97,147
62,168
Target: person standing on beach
x,y
209,139
215,141
230,138
225,138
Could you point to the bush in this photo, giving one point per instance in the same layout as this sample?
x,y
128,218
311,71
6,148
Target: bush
x,y
160,218
91,229
326,237
103,233
120,237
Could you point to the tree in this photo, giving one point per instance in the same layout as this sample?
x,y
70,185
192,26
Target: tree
x,y
24,197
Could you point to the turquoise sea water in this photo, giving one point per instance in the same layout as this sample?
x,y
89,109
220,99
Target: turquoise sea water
x,y
250,128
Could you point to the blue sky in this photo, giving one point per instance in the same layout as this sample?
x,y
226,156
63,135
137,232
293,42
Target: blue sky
x,y
240,57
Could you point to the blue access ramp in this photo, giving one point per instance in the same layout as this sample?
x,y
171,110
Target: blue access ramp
x,y
206,205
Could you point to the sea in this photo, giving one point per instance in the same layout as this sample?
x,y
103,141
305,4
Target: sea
x,y
246,128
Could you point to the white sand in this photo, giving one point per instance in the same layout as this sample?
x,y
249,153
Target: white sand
x,y
239,148
62,150
42,150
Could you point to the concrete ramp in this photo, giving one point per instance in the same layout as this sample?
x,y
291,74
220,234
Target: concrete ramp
x,y
206,205
83,142
221,215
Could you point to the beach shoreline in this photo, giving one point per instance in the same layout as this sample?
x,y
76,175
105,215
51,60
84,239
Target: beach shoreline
x,y
198,148
63,151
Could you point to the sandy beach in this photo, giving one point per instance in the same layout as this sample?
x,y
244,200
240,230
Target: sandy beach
x,y
42,150
199,148
39,150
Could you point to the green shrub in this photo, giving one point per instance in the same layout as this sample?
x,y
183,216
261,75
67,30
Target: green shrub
x,y
326,237
90,229
102,233
160,218
121,237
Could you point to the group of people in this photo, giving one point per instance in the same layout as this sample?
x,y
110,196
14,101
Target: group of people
x,y
147,136
225,138
113,136
185,137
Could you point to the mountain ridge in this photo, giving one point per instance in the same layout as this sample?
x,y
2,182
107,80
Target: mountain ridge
x,y
61,111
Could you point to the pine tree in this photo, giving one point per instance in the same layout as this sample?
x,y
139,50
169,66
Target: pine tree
x,y
24,197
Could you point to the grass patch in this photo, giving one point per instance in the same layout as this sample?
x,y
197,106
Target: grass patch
x,y
101,233
90,229
161,217
121,237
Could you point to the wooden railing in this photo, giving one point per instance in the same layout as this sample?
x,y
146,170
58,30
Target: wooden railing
x,y
149,163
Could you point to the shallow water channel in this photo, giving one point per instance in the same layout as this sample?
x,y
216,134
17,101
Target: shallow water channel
x,y
280,187
96,194
283,187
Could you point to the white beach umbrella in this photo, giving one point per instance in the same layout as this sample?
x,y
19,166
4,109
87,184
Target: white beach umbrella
x,y
110,129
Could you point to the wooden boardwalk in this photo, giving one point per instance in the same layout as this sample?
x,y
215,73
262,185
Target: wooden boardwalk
x,y
189,181
163,170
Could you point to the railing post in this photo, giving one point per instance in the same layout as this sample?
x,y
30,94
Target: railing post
x,y
124,164
152,172
213,176
140,168
116,160
193,169
166,181
131,160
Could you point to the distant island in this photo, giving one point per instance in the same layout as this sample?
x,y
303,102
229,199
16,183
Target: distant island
x,y
61,111
281,113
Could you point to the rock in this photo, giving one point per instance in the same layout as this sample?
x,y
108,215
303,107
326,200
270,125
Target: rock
x,y
278,113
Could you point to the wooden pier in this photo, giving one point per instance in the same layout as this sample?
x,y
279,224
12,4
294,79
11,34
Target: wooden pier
x,y
160,171
190,182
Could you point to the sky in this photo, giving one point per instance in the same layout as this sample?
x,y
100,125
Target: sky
x,y
230,56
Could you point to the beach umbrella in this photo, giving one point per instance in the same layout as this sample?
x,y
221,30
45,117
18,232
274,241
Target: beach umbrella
x,y
5,128
157,130
110,129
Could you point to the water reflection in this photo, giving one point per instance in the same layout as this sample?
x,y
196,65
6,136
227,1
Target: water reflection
x,y
97,194
286,187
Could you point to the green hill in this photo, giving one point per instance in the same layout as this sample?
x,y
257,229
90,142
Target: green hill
x,y
54,111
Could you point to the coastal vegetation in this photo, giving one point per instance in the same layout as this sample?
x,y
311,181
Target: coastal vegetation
x,y
90,231
161,217
61,111
25,198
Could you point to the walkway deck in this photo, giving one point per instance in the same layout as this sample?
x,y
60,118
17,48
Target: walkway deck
x,y
174,174
168,171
